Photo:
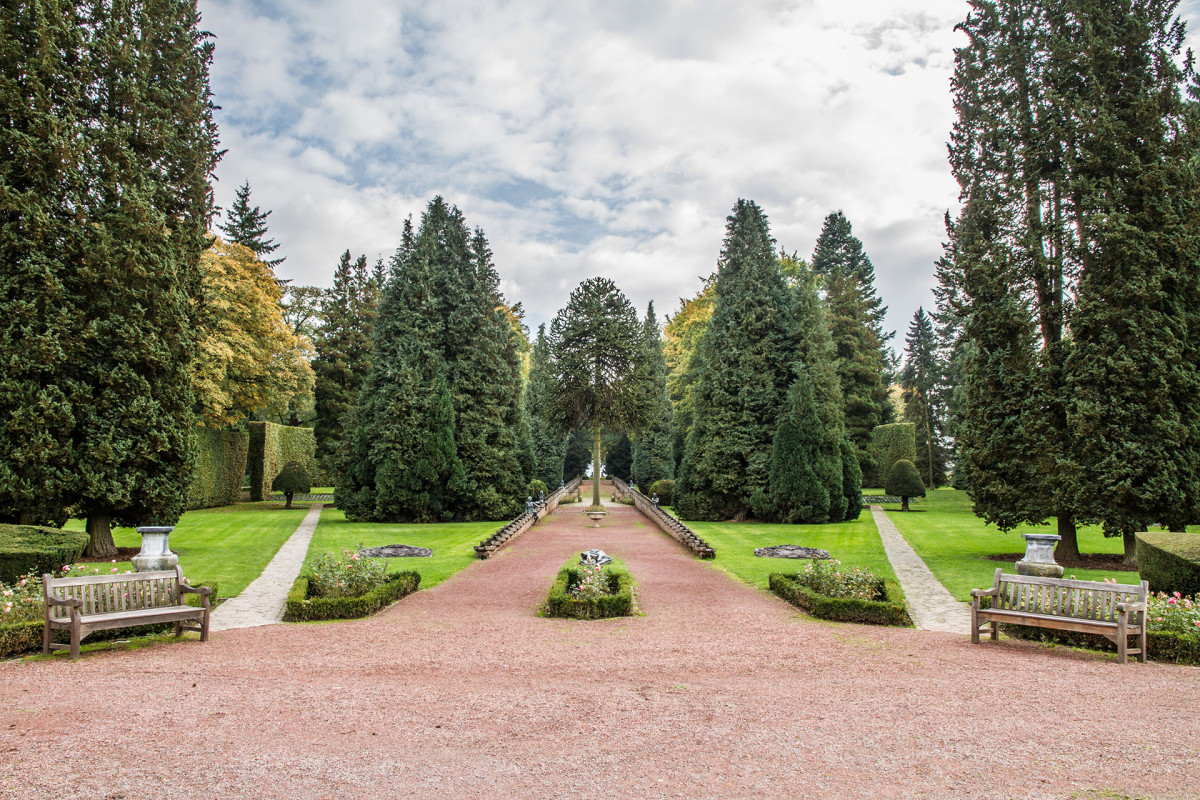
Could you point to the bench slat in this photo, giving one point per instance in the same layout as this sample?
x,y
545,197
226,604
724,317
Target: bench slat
x,y
1050,621
1131,588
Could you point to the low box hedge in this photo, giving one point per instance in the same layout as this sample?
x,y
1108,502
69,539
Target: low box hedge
x,y
1169,561
31,548
560,603
1160,645
891,611
302,608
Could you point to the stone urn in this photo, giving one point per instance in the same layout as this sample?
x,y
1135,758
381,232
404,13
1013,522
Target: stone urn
x,y
1039,556
596,515
156,552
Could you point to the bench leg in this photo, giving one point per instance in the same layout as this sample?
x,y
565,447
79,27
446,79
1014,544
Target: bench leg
x,y
179,629
1142,643
47,637
204,626
995,631
76,635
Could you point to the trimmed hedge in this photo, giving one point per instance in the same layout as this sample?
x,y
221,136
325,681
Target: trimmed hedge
x,y
665,489
272,446
220,467
302,608
30,548
1160,645
1169,562
618,604
889,444
891,611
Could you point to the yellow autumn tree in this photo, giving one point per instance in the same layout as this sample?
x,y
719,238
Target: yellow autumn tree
x,y
248,359
680,340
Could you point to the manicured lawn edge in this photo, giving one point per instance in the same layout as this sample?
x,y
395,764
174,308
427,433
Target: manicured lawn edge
x,y
893,611
1160,645
620,604
302,608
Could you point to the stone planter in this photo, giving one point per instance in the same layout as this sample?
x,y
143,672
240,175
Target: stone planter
x,y
596,516
1039,556
156,552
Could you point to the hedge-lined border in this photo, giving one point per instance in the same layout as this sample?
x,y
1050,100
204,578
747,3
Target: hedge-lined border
x,y
1169,561
619,604
220,467
889,444
272,446
30,548
23,638
1160,645
302,608
892,611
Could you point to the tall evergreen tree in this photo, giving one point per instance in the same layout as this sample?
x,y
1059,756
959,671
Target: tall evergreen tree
x,y
549,443
578,454
796,493
654,448
343,345
681,342
247,225
618,454
839,251
920,379
744,371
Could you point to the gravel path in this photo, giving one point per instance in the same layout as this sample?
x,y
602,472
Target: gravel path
x,y
719,691
930,604
263,601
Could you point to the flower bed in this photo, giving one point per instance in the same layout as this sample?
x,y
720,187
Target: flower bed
x,y
302,607
590,592
854,595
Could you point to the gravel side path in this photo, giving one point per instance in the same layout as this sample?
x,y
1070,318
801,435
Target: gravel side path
x,y
719,691
262,602
930,604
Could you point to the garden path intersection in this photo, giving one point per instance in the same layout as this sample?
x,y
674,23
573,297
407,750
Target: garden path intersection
x,y
719,690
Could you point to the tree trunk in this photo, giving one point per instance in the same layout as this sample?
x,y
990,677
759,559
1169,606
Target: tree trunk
x,y
1130,541
27,518
596,466
1068,548
288,497
904,503
100,538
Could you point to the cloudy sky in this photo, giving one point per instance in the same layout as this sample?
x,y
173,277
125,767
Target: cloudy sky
x,y
593,138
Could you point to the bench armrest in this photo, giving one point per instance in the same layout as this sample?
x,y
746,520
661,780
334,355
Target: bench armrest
x,y
59,601
1129,607
984,592
201,590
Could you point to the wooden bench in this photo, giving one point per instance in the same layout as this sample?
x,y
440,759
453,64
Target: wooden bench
x,y
101,602
1113,610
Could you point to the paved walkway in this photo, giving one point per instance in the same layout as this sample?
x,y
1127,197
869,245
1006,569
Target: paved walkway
x,y
262,602
930,604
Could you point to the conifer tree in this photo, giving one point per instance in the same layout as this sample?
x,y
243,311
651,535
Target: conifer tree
x,y
681,341
920,379
839,251
851,479
653,449
549,443
578,454
744,371
247,225
796,493
618,454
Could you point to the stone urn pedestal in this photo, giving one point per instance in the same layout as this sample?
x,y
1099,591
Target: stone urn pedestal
x,y
596,516
156,552
1039,556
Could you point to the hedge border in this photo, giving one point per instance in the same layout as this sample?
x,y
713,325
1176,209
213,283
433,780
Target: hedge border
x,y
21,552
889,444
1169,561
893,611
220,467
1160,645
272,446
302,608
619,604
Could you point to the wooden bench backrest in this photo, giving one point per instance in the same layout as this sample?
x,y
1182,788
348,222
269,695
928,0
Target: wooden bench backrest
x,y
1064,598
107,594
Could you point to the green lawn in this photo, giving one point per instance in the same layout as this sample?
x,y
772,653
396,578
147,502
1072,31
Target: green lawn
x,y
229,545
855,544
955,543
453,543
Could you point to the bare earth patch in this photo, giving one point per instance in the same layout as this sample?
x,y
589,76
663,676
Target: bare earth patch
x,y
718,691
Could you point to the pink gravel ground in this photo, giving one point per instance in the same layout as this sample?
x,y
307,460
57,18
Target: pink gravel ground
x,y
718,691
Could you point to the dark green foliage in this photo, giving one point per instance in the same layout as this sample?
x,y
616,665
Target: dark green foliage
x,y
904,482
839,252
618,455
536,486
578,454
559,602
302,608
27,548
248,227
665,489
343,345
1160,645
271,447
1170,562
889,444
549,443
921,381
221,458
654,448
851,479
796,492
744,370
291,479
890,610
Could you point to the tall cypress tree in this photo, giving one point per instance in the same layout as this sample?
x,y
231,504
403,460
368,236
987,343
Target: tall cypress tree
x,y
920,379
578,453
796,493
247,225
744,371
654,448
549,444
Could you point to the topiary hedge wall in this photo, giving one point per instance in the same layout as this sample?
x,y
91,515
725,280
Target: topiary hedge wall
x,y
893,610
889,444
1169,561
220,468
28,548
272,446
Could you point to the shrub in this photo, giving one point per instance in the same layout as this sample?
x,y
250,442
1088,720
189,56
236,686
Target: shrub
x,y
272,446
536,486
220,467
889,609
566,600
665,489
28,549
852,480
824,578
889,444
301,606
904,481
347,576
291,479
1169,562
